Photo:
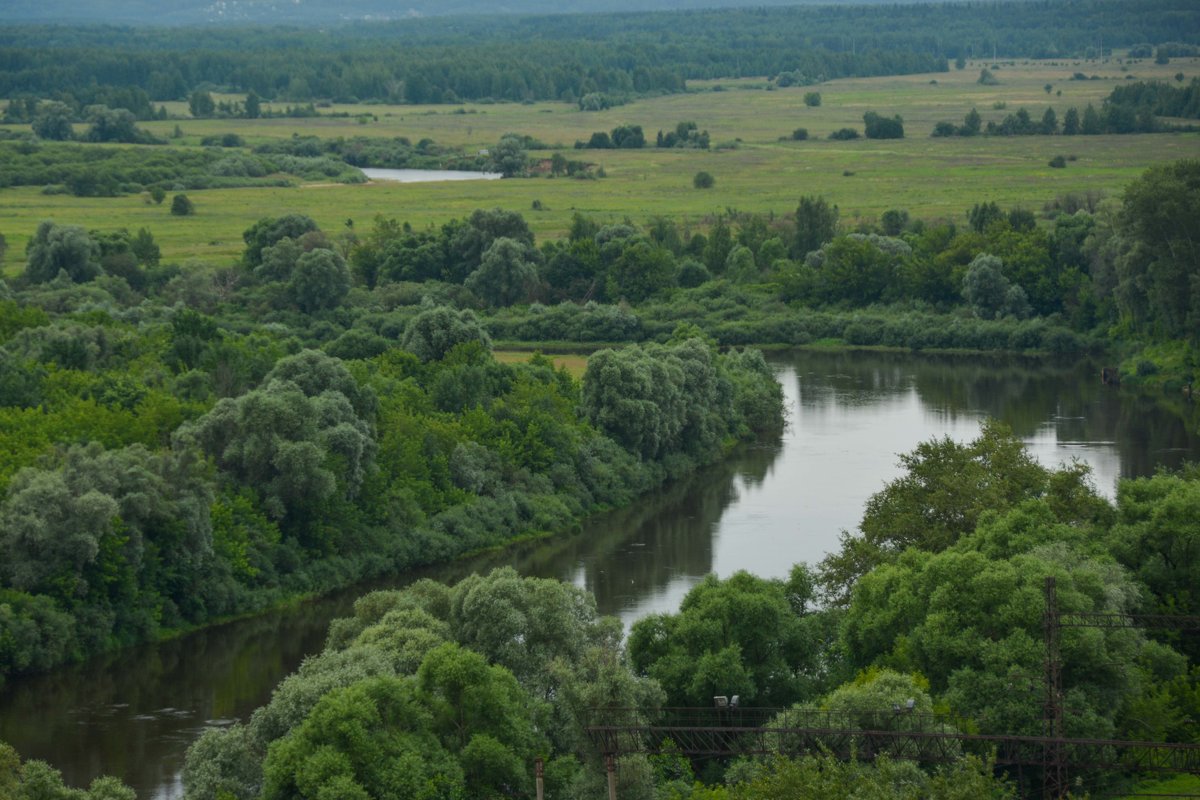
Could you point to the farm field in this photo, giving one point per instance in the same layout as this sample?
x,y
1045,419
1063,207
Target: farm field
x,y
756,165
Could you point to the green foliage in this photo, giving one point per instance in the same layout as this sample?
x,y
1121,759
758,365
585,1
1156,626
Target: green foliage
x,y
58,248
53,122
320,280
1158,286
300,439
505,275
269,231
826,776
816,223
436,331
182,206
745,636
703,180
878,127
661,400
945,490
432,691
37,780
812,99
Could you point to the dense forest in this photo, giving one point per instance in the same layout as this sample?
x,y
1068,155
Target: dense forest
x,y
217,440
565,57
164,467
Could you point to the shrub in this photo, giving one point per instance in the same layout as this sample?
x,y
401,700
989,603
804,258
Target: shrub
x,y
1058,162
812,99
703,180
844,134
181,206
800,134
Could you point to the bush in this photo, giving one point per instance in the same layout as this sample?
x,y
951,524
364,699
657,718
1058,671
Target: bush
x,y
181,206
703,180
812,99
844,134
1058,162
800,134
877,127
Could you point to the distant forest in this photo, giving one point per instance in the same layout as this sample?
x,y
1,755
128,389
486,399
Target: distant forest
x,y
564,57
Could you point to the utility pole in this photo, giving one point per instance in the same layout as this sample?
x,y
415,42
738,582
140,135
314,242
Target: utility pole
x,y
1054,781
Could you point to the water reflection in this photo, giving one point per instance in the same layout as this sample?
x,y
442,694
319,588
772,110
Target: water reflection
x,y
761,510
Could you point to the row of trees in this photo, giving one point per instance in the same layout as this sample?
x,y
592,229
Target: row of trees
x,y
1113,118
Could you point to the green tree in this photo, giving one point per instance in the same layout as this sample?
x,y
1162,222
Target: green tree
x,y
1158,271
508,156
181,206
111,125
300,439
506,273
269,230
971,123
1049,122
816,223
53,121
371,739
812,99
1071,122
253,105
201,104
320,280
988,292
58,248
703,180
439,329
468,242
745,635
145,249
945,488
879,127
641,270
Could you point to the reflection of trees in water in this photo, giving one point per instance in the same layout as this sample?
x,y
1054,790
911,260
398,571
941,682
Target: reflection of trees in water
x,y
128,714
1028,394
637,551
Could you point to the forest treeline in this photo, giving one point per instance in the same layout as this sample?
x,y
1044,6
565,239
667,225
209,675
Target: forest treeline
x,y
564,57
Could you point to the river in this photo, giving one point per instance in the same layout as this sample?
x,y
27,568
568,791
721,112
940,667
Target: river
x,y
850,414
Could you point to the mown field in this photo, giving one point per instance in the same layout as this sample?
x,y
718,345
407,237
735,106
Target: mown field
x,y
756,165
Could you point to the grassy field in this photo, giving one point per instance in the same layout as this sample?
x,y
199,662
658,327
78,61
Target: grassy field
x,y
931,178
574,364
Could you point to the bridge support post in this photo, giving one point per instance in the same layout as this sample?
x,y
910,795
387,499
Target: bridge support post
x,y
538,772
610,765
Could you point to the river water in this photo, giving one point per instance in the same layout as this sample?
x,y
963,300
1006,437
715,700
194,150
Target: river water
x,y
762,510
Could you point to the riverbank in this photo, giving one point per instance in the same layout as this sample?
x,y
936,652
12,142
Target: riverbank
x,y
761,509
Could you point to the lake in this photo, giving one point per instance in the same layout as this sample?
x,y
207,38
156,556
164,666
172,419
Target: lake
x,y
761,510
428,175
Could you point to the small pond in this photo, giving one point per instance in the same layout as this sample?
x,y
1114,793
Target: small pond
x,y
428,175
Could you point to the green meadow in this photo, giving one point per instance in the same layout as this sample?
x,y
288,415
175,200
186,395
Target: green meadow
x,y
756,164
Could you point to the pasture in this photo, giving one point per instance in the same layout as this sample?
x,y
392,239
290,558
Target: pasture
x,y
756,165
